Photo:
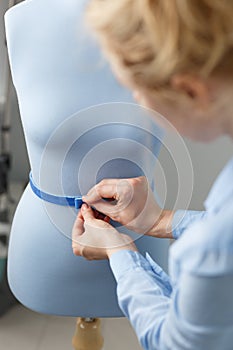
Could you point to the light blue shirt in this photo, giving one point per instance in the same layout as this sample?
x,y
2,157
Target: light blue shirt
x,y
193,308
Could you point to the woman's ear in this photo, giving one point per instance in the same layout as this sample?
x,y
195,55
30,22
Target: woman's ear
x,y
193,87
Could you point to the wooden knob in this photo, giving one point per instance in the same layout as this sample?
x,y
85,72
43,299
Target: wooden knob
x,y
88,334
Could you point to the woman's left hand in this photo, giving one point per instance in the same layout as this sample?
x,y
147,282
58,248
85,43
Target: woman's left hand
x,y
96,239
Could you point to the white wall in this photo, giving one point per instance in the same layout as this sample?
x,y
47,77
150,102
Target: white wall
x,y
207,161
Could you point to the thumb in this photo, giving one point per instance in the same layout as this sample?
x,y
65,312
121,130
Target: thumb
x,y
87,212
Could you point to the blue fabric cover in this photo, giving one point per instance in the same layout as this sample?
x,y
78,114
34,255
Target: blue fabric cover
x,y
58,71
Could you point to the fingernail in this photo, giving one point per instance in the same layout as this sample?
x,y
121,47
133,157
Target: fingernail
x,y
85,206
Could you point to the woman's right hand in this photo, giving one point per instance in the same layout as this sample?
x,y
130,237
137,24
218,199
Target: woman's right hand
x,y
131,202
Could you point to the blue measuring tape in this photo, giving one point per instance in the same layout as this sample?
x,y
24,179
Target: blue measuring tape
x,y
59,200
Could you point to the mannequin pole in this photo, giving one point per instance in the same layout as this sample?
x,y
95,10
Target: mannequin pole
x,y
88,334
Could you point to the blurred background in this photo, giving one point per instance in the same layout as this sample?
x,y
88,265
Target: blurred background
x,y
21,328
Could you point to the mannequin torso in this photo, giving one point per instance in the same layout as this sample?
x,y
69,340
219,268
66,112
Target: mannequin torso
x,y
57,71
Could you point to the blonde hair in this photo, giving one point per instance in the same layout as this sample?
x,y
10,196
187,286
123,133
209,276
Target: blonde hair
x,y
151,40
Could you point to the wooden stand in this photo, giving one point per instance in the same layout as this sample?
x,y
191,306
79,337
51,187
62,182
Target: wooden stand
x,y
88,335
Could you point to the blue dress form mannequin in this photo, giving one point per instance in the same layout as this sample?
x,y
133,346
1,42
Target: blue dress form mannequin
x,y
58,70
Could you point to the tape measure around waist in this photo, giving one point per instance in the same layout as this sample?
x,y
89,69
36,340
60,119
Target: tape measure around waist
x,y
70,201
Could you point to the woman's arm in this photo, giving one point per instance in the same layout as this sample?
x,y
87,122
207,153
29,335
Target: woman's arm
x,y
183,219
195,311
197,315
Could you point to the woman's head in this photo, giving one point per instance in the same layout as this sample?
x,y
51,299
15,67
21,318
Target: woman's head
x,y
177,54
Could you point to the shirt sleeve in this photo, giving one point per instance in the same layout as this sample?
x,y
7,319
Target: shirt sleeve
x,y
182,220
144,292
185,318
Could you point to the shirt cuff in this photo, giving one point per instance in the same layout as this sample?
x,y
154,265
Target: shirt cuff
x,y
182,219
125,260
128,261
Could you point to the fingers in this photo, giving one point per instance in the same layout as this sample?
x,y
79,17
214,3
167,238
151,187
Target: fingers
x,y
97,194
87,212
93,218
78,225
129,194
119,190
105,189
85,242
78,230
101,216
80,216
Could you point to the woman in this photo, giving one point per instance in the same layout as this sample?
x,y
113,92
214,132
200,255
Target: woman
x,y
177,57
